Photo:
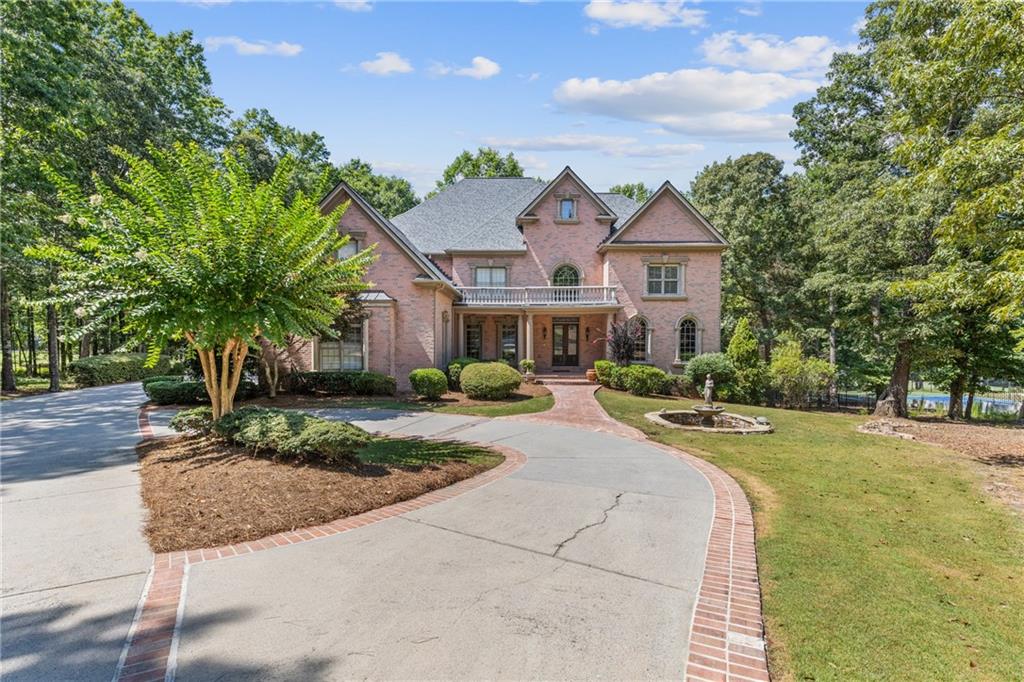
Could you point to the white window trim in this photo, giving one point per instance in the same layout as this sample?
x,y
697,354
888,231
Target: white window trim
x,y
698,341
476,281
559,198
317,341
680,296
562,264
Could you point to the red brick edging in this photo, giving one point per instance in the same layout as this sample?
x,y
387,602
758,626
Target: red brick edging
x,y
151,646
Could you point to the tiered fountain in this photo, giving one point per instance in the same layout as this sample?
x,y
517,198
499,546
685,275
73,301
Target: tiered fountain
x,y
709,417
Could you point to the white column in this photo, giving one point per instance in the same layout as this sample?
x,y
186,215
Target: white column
x,y
461,341
519,336
608,328
529,336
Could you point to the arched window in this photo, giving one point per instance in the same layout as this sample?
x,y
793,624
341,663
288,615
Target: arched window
x,y
566,276
689,339
640,330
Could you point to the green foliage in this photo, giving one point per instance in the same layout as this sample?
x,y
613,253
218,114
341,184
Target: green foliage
x,y
643,379
637,191
526,366
293,434
260,142
718,365
455,368
621,341
678,384
751,371
161,377
346,382
116,368
388,194
604,371
197,420
489,381
429,383
795,377
486,163
176,391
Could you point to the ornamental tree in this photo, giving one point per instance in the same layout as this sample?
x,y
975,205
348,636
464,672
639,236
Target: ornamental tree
x,y
188,246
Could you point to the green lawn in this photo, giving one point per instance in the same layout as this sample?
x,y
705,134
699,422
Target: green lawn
x,y
35,386
879,558
538,403
413,452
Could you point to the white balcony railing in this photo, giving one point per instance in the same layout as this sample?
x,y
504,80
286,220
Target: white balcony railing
x,y
538,296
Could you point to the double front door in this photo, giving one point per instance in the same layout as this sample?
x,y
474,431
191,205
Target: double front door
x,y
565,337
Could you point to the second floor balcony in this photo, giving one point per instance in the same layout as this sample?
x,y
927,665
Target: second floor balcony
x,y
525,297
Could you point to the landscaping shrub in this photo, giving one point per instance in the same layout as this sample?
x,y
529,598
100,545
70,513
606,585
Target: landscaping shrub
x,y
643,379
489,381
455,368
718,365
526,366
604,371
678,384
197,420
179,392
795,377
115,368
161,377
428,383
751,371
292,434
345,382
617,378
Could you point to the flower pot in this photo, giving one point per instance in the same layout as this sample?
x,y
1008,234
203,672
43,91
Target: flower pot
x,y
530,377
592,376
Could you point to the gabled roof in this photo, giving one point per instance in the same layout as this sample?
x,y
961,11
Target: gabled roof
x,y
606,211
473,214
428,266
667,187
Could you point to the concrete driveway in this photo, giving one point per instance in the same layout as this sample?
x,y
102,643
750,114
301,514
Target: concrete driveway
x,y
74,559
584,563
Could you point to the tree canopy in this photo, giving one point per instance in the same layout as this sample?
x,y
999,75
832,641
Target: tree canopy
x,y
637,191
485,163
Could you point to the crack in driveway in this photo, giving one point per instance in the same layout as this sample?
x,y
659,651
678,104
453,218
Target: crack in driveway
x,y
563,543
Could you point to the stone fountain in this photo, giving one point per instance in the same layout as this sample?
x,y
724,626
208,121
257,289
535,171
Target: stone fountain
x,y
708,411
709,417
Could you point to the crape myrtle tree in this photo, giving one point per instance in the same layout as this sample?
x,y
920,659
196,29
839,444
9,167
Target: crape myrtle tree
x,y
188,246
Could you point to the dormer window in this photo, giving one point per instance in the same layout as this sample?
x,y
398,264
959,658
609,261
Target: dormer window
x,y
567,209
350,249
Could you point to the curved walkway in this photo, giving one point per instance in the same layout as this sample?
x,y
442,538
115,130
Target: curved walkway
x,y
588,561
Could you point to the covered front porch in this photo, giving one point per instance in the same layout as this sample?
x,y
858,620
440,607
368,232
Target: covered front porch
x,y
563,340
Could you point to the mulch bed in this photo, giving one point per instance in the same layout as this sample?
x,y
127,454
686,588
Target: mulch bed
x,y
201,492
997,452
291,400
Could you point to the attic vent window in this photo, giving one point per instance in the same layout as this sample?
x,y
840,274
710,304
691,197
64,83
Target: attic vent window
x,y
567,209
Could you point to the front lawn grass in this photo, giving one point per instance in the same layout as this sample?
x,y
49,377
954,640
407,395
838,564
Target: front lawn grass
x,y
879,558
537,403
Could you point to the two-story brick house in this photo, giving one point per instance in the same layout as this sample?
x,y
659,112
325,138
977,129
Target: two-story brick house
x,y
519,268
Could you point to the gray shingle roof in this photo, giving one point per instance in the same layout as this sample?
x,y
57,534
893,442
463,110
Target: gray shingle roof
x,y
480,214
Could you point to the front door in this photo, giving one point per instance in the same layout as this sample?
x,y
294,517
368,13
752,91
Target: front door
x,y
565,337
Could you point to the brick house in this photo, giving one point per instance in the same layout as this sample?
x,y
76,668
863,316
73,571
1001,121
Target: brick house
x,y
518,268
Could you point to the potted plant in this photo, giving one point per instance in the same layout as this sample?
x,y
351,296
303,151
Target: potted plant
x,y
526,367
592,375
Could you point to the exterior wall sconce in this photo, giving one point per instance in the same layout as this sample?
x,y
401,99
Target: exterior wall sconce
x,y
587,333
544,333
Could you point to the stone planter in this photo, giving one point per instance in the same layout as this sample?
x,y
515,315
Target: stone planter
x,y
592,375
529,377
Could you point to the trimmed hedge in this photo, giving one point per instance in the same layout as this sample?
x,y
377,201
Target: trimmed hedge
x,y
643,379
718,365
292,434
161,377
429,383
179,392
455,368
115,368
489,381
344,382
604,370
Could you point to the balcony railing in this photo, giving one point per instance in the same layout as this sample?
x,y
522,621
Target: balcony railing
x,y
538,296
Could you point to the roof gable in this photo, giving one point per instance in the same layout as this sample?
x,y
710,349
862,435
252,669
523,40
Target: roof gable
x,y
427,265
567,172
715,237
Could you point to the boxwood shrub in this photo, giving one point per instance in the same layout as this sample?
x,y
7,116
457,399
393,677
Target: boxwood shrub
x,y
114,368
643,379
604,371
455,368
179,392
345,382
718,365
428,383
489,380
161,377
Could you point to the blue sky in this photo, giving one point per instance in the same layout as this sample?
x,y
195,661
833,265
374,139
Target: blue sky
x,y
621,91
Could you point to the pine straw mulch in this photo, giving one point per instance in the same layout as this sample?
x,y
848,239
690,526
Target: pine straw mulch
x,y
201,492
996,452
410,400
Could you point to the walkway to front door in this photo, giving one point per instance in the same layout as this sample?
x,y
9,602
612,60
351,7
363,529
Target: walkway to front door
x,y
565,346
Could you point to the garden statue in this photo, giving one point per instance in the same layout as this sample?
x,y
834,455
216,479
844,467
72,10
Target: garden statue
x,y
709,389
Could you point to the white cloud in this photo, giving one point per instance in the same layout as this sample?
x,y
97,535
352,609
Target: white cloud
x,y
752,8
481,69
706,102
533,163
609,145
858,26
766,52
529,78
248,48
645,14
385,64
354,5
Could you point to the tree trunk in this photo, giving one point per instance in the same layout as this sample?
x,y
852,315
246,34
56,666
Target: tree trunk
x,y
767,346
85,345
956,397
53,347
271,370
7,380
972,386
833,389
893,402
33,358
221,382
